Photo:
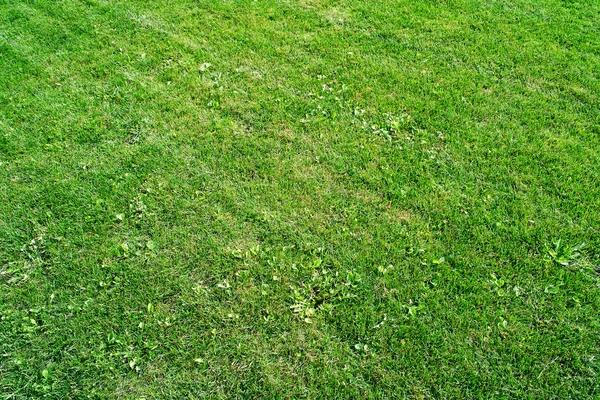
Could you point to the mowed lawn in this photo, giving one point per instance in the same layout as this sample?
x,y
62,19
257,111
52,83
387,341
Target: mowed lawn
x,y
299,199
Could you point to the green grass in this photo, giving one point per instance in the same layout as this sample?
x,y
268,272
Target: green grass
x,y
299,199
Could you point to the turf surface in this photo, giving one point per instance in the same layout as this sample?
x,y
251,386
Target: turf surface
x,y
299,199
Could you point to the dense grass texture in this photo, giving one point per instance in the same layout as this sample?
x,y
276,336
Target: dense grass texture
x,y
291,199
